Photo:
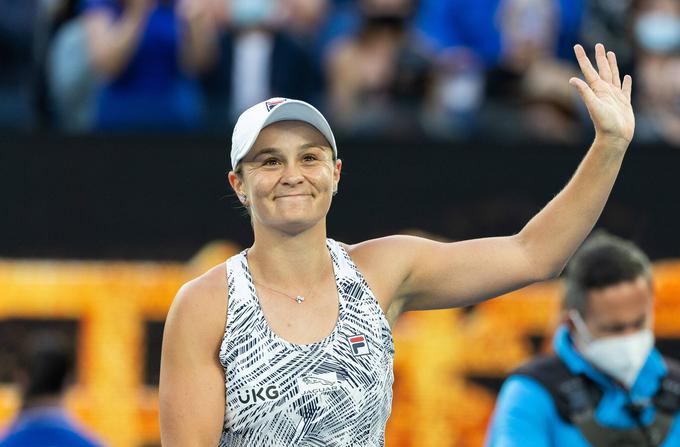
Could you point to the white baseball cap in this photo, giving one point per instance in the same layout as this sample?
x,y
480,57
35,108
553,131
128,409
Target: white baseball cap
x,y
253,120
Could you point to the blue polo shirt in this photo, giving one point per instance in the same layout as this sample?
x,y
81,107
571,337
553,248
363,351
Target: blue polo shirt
x,y
475,24
151,92
41,427
526,414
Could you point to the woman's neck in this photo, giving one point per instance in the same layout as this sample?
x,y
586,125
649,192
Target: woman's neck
x,y
284,259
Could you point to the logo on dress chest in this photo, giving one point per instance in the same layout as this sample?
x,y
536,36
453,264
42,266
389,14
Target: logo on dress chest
x,y
359,344
318,383
257,394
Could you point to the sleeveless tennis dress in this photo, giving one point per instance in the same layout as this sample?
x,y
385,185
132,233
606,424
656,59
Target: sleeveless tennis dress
x,y
334,393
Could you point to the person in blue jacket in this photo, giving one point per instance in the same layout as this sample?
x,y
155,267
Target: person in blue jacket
x,y
606,385
148,54
44,372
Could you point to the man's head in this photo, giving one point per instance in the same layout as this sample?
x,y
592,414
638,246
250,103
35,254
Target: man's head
x,y
45,367
608,300
609,284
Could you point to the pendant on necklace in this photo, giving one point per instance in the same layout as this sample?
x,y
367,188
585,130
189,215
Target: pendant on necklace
x,y
299,299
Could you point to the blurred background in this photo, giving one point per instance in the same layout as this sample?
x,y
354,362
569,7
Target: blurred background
x,y
454,119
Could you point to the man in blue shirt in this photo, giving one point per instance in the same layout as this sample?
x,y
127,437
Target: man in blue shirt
x,y
606,385
43,375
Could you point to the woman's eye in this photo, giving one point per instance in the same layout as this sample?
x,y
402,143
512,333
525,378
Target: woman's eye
x,y
271,162
309,157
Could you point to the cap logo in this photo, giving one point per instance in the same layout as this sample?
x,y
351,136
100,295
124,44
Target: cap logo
x,y
271,104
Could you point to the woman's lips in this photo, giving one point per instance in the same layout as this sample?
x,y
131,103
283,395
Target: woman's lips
x,y
287,196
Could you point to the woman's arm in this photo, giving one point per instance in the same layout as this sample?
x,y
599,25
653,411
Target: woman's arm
x,y
112,42
198,39
192,389
438,275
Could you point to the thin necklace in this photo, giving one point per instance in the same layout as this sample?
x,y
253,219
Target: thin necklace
x,y
297,298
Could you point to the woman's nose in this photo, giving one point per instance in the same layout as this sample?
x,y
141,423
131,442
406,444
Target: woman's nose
x,y
292,174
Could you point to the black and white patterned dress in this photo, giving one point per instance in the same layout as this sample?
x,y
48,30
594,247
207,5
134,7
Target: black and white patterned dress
x,y
337,392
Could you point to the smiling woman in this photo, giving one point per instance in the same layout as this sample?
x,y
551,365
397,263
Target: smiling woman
x,y
291,168
287,343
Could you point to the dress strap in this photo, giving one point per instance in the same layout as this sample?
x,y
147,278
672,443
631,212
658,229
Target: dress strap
x,y
242,297
344,265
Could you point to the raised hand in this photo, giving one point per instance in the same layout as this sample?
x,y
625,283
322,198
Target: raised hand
x,y
139,7
605,96
194,11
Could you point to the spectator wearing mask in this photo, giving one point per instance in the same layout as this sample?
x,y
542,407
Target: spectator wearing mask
x,y
71,83
606,384
149,53
44,373
257,59
656,28
305,20
380,76
504,37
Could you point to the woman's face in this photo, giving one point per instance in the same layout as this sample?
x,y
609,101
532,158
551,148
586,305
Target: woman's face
x,y
288,177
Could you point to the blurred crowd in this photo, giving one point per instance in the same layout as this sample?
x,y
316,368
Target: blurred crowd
x,y
444,68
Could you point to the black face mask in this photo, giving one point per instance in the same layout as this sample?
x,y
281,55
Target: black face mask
x,y
395,22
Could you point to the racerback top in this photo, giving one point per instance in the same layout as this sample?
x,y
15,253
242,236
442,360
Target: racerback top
x,y
333,393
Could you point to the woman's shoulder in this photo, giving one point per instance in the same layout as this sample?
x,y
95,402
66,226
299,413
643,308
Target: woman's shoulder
x,y
389,254
212,279
385,263
203,300
382,248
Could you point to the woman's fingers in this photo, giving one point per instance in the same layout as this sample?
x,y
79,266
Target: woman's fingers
x,y
584,90
586,67
608,68
616,80
602,64
627,86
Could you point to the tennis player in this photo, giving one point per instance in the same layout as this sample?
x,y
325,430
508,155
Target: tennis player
x,y
287,343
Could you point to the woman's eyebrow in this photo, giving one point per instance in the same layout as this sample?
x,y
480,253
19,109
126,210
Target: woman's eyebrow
x,y
313,145
275,151
267,151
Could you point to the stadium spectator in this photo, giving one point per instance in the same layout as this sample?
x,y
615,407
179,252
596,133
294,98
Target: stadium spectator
x,y
455,24
530,76
71,82
17,56
657,34
45,370
606,384
380,76
609,21
477,25
257,58
304,18
464,37
149,52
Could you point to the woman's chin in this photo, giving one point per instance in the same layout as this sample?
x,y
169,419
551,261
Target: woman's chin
x,y
295,224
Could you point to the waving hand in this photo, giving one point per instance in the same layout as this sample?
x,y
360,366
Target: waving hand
x,y
605,96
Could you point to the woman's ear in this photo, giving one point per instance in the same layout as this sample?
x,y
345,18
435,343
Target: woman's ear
x,y
236,183
337,169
